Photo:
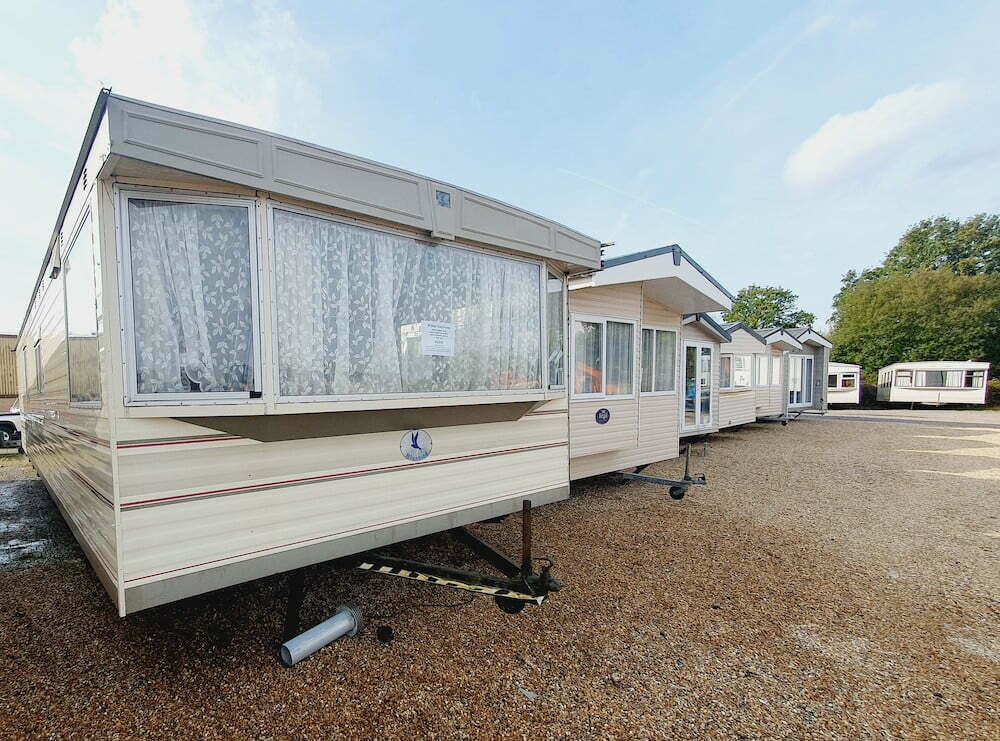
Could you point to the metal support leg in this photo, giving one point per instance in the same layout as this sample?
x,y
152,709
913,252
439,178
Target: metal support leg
x,y
293,609
526,563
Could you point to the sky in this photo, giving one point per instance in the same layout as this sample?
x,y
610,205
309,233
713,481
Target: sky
x,y
779,143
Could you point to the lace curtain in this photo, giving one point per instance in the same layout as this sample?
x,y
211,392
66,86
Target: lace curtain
x,y
191,296
351,303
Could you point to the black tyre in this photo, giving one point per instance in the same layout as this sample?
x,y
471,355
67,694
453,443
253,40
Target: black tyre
x,y
677,492
509,605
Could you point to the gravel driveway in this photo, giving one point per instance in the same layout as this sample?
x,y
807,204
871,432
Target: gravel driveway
x,y
837,578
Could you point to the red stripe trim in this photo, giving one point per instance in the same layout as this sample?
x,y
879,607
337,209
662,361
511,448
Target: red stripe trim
x,y
180,442
390,523
342,474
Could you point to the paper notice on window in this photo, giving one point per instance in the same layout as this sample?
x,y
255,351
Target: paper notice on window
x,y
437,338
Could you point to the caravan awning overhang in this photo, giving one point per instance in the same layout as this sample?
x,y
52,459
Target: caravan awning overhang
x,y
709,325
780,339
669,276
810,336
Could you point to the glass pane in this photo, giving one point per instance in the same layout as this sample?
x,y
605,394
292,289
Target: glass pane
x,y
742,372
807,381
974,379
621,358
556,323
79,269
191,296
690,384
848,382
365,312
647,360
904,378
775,370
831,381
761,377
706,386
588,377
666,359
726,371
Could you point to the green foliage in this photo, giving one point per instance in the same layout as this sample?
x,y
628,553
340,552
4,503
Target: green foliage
x,y
924,315
768,306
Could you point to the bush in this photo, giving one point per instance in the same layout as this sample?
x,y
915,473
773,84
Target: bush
x,y
993,392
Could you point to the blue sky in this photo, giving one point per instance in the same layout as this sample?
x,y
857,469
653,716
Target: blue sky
x,y
779,143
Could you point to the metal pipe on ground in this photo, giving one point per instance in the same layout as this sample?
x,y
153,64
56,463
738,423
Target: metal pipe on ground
x,y
346,621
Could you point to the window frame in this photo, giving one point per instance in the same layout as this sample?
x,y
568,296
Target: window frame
x,y
603,321
273,205
88,213
896,374
753,370
190,398
732,368
757,358
39,368
549,274
656,328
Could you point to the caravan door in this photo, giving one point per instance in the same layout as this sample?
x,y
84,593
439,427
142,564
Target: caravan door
x,y
698,411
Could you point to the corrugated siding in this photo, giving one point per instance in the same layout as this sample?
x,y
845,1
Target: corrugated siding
x,y
69,446
8,365
737,407
197,504
623,301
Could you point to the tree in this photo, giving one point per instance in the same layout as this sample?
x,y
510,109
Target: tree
x,y
924,315
768,306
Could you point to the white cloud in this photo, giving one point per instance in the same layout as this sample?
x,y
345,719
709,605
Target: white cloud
x,y
849,142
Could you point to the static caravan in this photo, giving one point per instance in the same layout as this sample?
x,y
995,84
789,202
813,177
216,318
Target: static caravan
x,y
744,368
934,382
245,354
772,400
701,337
843,384
630,365
806,370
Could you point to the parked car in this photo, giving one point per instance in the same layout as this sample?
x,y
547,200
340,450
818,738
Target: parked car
x,y
11,426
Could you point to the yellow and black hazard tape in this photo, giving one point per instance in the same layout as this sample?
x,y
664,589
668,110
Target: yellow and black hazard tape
x,y
454,583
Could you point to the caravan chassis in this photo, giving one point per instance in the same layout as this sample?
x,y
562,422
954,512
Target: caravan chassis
x,y
520,586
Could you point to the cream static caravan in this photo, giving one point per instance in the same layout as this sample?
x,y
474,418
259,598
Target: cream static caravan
x,y
245,354
772,400
806,370
843,383
744,370
627,357
934,382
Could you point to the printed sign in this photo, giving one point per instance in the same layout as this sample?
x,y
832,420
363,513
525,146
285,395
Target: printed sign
x,y
437,338
416,445
603,416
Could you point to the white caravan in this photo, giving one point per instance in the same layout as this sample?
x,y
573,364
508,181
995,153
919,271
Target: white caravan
x,y
934,382
843,383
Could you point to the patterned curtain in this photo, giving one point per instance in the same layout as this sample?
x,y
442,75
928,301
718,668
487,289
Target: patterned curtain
x,y
351,303
191,296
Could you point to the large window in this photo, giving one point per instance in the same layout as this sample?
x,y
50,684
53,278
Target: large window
x,y
659,360
79,269
726,372
603,357
762,369
191,271
904,378
555,322
362,312
742,371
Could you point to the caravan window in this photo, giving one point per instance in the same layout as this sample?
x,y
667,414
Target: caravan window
x,y
726,371
775,371
831,381
659,360
762,369
938,379
555,322
974,379
79,269
363,313
39,368
848,381
904,378
603,357
191,296
742,371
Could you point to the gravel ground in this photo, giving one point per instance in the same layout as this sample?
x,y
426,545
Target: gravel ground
x,y
835,579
